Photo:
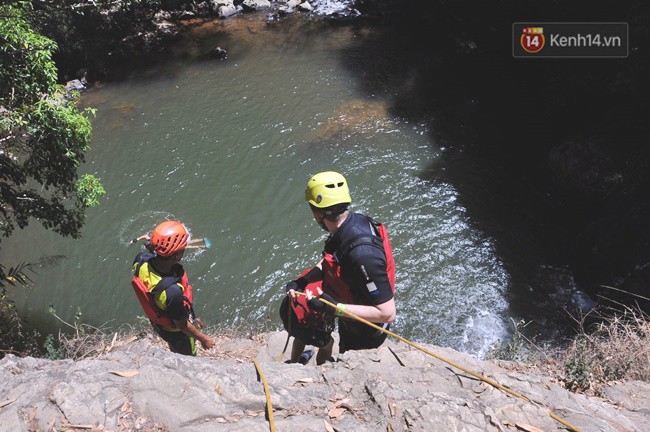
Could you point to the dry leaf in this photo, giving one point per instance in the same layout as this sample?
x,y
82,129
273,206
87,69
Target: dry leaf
x,y
389,428
527,428
336,412
7,402
77,426
392,408
328,427
221,420
125,374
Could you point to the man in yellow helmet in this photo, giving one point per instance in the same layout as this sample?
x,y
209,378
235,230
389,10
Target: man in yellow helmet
x,y
357,269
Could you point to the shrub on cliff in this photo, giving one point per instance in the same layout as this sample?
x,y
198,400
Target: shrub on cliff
x,y
615,349
43,138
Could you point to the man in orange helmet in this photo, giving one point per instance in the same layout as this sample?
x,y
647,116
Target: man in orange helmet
x,y
162,287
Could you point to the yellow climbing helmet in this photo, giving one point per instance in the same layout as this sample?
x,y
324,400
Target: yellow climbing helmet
x,y
326,189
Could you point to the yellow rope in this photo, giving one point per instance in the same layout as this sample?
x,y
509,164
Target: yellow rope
x,y
269,406
286,344
456,365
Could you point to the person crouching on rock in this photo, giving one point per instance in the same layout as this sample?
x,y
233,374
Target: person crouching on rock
x,y
162,288
357,270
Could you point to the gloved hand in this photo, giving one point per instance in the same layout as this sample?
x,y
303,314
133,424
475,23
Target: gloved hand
x,y
315,304
298,285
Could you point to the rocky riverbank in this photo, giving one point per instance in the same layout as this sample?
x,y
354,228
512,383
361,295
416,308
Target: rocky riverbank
x,y
96,38
139,385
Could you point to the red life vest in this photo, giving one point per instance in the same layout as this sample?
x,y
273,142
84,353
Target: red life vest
x,y
305,315
145,293
333,283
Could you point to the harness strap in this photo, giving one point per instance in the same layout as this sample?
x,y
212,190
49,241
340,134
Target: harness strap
x,y
359,240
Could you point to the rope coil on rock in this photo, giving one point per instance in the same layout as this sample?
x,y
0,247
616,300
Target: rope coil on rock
x,y
449,362
269,406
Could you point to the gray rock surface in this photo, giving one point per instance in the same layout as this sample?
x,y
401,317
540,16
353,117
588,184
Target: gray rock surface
x,y
73,85
142,386
256,5
224,11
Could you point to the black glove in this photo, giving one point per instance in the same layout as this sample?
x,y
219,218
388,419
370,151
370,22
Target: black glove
x,y
297,285
318,306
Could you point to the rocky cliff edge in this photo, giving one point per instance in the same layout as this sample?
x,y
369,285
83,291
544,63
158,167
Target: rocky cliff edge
x,y
139,385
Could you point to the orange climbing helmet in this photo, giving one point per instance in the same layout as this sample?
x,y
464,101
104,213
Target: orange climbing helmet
x,y
169,237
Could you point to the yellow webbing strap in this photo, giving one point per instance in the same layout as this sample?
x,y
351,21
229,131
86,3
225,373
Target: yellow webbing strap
x,y
269,406
449,362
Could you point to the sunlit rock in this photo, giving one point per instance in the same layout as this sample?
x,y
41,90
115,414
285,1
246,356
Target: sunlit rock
x,y
256,5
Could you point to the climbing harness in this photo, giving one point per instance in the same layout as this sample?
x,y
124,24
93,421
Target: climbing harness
x,y
269,406
449,362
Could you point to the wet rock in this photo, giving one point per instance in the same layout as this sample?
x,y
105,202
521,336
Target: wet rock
x,y
306,6
216,4
162,15
165,28
285,10
202,8
225,11
256,5
74,85
217,53
185,15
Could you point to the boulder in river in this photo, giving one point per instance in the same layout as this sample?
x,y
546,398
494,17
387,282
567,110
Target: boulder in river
x,y
256,5
217,53
74,85
225,11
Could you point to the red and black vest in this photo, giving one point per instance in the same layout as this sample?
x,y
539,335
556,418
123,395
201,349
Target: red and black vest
x,y
147,284
333,283
304,314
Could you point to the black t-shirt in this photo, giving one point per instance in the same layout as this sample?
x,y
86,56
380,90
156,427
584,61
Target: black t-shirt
x,y
364,267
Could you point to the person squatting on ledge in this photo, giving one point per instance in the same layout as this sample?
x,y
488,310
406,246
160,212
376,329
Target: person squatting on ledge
x,y
164,292
356,274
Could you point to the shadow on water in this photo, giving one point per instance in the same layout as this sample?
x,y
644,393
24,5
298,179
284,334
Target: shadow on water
x,y
549,157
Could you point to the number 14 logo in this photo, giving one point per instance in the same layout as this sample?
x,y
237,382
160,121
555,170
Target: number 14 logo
x,y
532,39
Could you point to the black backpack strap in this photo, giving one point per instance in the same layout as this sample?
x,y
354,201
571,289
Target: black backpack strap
x,y
142,258
164,283
362,239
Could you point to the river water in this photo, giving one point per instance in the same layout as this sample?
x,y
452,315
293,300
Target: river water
x,y
227,147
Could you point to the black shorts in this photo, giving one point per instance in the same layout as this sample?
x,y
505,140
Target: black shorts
x,y
358,336
178,341
307,334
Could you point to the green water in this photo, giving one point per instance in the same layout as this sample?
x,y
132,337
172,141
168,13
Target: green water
x,y
227,147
